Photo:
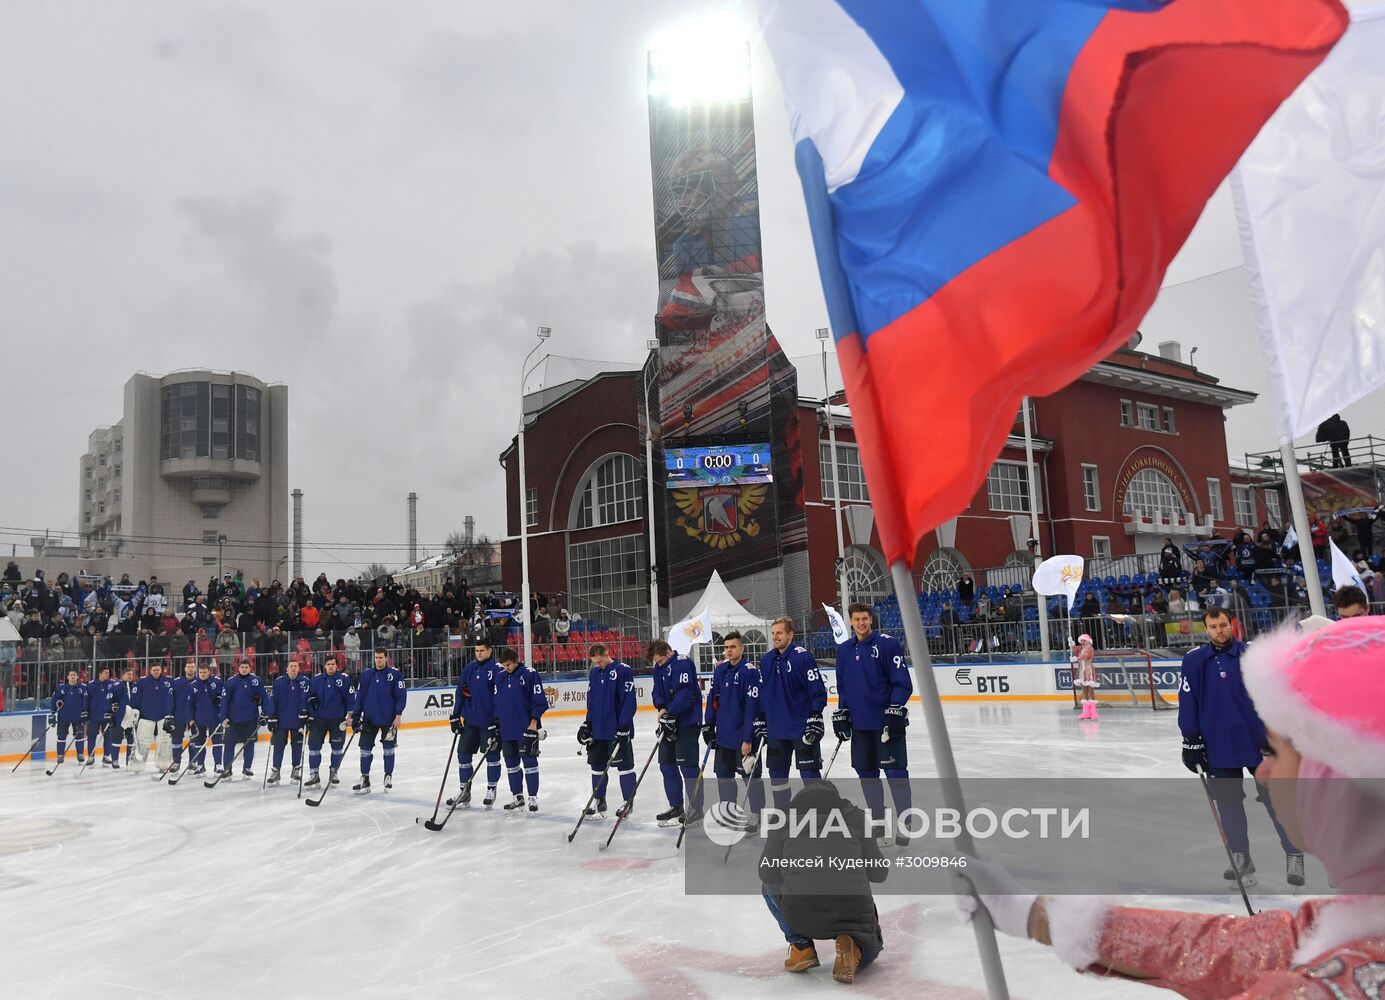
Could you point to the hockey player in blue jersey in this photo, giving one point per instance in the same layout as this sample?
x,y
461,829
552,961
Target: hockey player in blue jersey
x,y
183,710
472,719
100,701
69,714
519,705
790,701
608,729
154,699
378,711
873,691
733,681
287,709
241,704
207,694
331,696
678,698
1223,735
124,715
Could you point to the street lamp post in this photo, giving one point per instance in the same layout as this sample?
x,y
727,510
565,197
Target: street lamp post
x,y
823,335
652,345
544,333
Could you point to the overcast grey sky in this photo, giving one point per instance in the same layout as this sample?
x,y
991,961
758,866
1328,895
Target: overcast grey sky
x,y
375,204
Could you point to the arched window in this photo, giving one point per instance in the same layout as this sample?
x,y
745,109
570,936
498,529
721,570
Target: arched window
x,y
611,492
941,570
867,579
1153,494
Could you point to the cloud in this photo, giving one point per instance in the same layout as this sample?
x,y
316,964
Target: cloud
x,y
289,275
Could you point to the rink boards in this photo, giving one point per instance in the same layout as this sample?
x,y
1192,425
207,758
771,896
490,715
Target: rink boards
x,y
988,682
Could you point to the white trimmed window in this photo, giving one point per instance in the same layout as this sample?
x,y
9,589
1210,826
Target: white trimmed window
x,y
531,507
611,493
1272,508
1214,504
1153,494
1170,427
1091,487
849,472
1127,413
1101,547
1147,416
1007,487
1243,505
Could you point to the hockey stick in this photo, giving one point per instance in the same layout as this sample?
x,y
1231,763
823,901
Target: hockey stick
x,y
697,792
1211,803
751,776
629,806
828,769
62,752
193,755
328,786
465,793
231,764
302,757
432,823
172,762
592,797
33,746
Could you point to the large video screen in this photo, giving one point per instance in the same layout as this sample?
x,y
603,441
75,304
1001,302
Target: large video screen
x,y
717,465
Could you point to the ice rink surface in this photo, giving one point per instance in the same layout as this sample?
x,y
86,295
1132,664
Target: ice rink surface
x,y
113,886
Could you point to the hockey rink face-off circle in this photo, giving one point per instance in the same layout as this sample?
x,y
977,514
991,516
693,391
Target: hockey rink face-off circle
x,y
114,886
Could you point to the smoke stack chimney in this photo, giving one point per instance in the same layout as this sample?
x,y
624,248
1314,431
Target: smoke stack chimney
x,y
297,532
469,530
413,529
1171,350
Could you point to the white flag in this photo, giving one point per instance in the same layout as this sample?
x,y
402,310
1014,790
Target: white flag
x,y
1344,572
1310,200
1290,539
839,629
686,634
1060,575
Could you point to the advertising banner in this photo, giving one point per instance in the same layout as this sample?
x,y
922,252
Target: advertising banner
x,y
722,376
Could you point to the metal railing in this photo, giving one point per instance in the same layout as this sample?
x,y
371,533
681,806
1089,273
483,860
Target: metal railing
x,y
29,671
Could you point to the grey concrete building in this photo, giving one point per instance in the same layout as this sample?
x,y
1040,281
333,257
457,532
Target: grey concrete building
x,y
192,480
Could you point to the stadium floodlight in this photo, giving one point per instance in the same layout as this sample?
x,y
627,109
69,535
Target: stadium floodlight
x,y
708,63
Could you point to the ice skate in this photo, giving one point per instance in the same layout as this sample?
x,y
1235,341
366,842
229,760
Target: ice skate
x,y
1293,869
273,778
670,817
389,782
1244,865
313,780
518,803
363,786
596,810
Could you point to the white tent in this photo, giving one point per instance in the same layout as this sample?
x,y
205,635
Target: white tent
x,y
726,612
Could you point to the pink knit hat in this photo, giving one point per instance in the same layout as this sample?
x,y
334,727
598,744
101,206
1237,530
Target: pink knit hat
x,y
1325,691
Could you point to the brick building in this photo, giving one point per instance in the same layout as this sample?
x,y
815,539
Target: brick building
x,y
1132,453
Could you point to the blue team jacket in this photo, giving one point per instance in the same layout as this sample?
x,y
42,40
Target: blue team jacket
x,y
154,698
871,676
242,698
610,700
207,697
1213,704
288,700
790,690
73,698
474,699
726,701
100,698
381,695
677,692
331,697
184,709
519,697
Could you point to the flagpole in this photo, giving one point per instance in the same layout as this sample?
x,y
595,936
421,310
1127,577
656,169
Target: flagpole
x,y
1294,487
1034,523
842,315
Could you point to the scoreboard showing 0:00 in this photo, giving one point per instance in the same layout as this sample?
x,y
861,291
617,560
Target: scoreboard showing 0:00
x,y
717,465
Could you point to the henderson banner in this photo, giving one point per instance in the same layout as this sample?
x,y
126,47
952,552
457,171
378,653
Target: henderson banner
x,y
722,376
995,189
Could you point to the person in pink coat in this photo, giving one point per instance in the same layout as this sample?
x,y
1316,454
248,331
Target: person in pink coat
x,y
1322,697
1084,674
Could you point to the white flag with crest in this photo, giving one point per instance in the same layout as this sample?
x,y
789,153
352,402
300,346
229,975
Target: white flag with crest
x,y
839,630
686,634
1060,575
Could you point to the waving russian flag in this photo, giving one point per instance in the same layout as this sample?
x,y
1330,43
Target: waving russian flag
x,y
995,189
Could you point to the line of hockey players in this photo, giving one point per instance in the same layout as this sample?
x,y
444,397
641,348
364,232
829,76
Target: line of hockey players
x,y
754,719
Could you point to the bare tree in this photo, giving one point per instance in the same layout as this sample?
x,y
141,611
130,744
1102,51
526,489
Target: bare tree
x,y
373,572
469,558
